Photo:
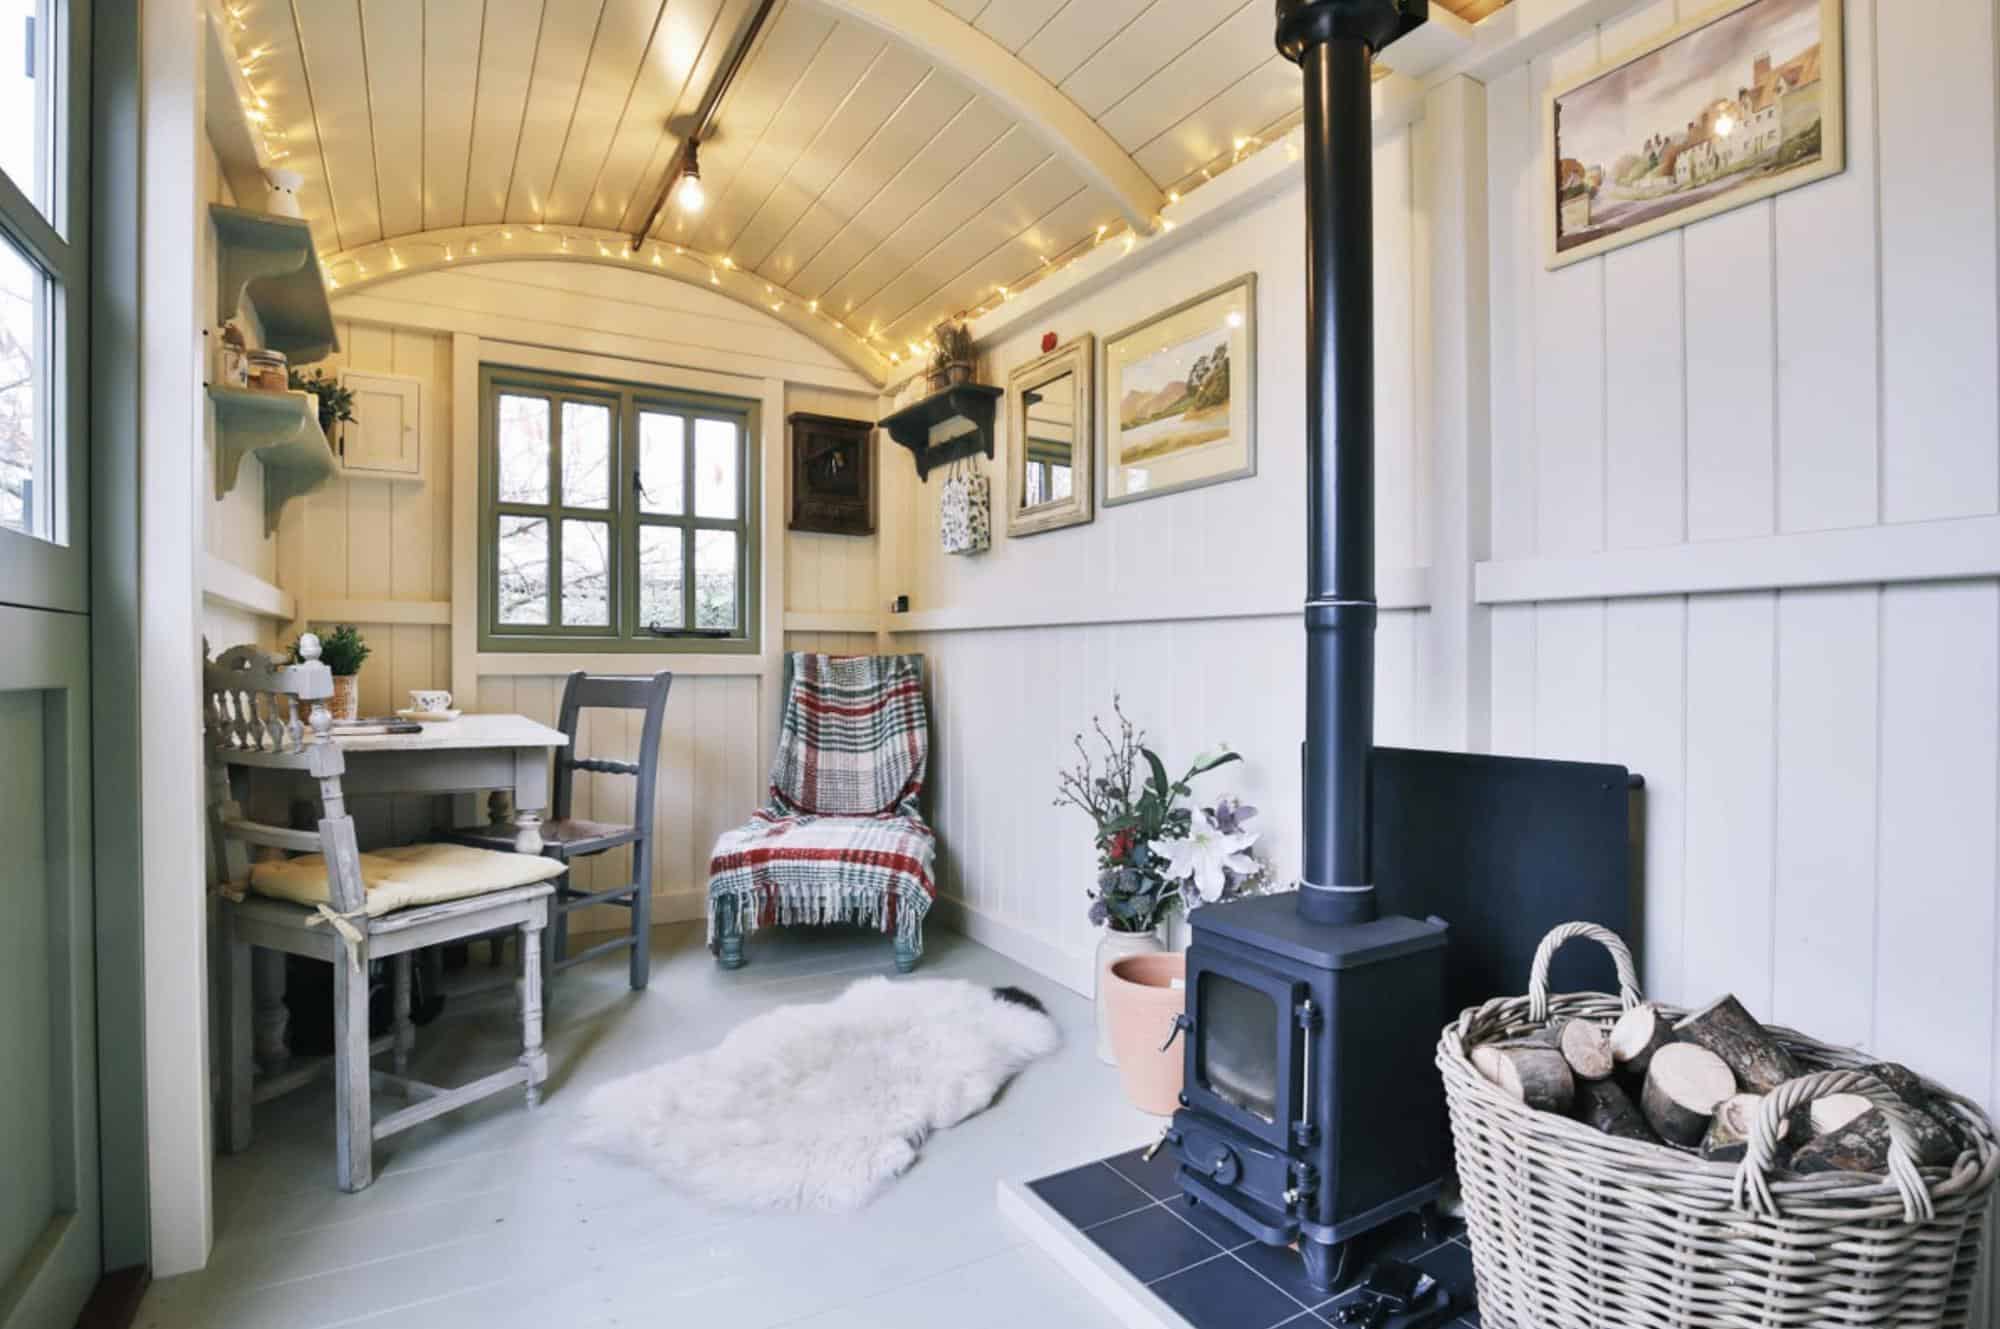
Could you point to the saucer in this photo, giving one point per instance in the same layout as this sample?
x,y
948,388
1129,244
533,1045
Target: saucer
x,y
429,717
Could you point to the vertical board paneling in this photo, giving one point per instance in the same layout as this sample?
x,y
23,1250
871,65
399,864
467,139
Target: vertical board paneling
x,y
1731,381
1823,960
1731,654
1645,714
1645,464
1569,680
1934,945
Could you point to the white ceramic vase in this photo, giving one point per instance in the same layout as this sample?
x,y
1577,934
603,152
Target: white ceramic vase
x,y
1112,947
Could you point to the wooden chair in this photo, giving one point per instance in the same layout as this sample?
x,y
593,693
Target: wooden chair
x,y
251,711
567,838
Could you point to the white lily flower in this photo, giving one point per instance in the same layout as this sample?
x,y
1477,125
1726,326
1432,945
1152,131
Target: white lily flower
x,y
1203,855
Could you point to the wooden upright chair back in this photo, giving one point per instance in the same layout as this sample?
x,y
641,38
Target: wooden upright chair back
x,y
252,712
604,692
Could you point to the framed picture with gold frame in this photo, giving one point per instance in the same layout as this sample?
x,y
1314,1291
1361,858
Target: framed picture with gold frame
x,y
1737,104
1180,397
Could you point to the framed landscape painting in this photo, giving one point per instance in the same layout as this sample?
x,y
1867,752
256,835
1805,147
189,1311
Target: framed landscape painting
x,y
1736,105
1180,395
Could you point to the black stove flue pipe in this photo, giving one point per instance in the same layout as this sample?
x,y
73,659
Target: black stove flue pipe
x,y
1334,42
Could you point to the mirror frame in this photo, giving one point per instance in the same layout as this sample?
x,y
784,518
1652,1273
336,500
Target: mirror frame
x,y
1078,358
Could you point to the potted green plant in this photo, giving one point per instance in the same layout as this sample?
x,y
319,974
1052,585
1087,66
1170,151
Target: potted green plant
x,y
335,400
343,650
952,361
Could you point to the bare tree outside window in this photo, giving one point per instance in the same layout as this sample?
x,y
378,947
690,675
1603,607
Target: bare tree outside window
x,y
23,446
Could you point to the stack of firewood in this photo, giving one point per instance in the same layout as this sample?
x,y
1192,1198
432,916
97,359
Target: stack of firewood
x,y
1697,1085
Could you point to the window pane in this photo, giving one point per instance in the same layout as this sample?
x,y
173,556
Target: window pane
x,y
715,480
714,576
524,570
661,576
25,468
586,455
524,449
26,84
662,464
586,576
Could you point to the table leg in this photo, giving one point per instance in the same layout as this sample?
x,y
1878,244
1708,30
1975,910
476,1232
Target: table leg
x,y
268,1023
531,797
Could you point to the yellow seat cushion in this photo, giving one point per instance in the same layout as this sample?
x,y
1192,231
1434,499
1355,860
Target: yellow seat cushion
x,y
403,878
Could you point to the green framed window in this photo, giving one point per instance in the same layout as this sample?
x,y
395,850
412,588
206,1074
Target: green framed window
x,y
44,290
615,516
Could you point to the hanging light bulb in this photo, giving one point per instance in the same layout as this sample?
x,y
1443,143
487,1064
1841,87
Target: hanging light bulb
x,y
689,193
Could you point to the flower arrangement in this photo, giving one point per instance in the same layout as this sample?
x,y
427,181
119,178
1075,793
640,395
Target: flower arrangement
x,y
336,400
1155,852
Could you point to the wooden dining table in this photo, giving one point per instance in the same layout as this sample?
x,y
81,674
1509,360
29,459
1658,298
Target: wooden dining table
x,y
503,756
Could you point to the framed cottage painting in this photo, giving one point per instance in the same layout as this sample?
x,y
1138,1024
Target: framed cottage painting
x,y
1743,102
1179,397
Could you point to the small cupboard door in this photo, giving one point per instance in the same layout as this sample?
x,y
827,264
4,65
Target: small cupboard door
x,y
386,436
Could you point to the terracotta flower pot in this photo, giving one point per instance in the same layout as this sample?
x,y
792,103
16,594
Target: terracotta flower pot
x,y
1146,992
1112,947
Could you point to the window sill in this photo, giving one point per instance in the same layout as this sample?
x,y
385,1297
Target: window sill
x,y
541,664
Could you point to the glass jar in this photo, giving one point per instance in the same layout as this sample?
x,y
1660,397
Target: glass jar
x,y
267,371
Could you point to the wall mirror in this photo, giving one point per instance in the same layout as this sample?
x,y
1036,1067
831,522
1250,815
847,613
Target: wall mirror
x,y
1050,428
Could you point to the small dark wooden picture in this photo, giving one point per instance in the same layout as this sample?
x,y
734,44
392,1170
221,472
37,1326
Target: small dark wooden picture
x,y
832,474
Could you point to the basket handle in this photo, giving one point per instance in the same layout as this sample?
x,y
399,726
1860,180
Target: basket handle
x,y
1753,1181
1538,976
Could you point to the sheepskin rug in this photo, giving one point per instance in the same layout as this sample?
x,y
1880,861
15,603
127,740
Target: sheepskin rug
x,y
820,1107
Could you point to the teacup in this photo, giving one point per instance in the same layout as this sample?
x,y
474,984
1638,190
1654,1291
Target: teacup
x,y
431,701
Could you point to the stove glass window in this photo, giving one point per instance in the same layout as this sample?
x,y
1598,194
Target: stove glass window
x,y
1238,1028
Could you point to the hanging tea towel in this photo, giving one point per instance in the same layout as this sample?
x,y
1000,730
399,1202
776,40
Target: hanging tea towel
x,y
965,518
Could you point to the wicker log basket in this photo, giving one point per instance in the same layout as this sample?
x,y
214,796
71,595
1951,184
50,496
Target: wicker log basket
x,y
1574,1229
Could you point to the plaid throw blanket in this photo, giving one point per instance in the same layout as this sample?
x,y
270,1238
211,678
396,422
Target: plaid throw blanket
x,y
841,839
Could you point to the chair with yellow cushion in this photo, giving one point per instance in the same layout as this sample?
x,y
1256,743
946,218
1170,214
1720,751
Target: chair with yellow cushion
x,y
347,908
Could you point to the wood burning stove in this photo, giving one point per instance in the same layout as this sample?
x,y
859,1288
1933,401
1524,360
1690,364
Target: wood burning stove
x,y
1311,1111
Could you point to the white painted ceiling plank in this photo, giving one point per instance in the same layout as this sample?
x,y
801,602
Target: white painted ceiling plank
x,y
626,33
393,39
793,36
912,129
1211,65
567,34
997,170
845,64
626,180
972,131
279,77
1047,188
453,31
1156,37
506,66
965,9
330,40
1078,32
1019,258
733,18
1269,95
1013,23
846,134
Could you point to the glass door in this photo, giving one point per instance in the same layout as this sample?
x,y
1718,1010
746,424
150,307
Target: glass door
x,y
1245,1046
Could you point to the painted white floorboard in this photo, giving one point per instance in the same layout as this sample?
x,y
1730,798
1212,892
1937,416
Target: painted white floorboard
x,y
493,1218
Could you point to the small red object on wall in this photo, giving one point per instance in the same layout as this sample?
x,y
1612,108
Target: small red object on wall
x,y
1048,342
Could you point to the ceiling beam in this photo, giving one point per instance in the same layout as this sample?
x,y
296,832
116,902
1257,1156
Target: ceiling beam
x,y
353,271
954,45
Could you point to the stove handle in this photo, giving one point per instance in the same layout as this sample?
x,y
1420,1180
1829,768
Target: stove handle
x,y
1308,1019
1181,1021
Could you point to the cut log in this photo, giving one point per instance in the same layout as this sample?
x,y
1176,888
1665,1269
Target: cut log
x,y
1862,1145
1728,1138
1684,1084
1536,1076
1587,1049
1759,1061
1603,1106
1935,1126
1639,1033
1829,1114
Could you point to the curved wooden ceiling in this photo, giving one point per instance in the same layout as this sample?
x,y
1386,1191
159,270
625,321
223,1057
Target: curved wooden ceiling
x,y
855,165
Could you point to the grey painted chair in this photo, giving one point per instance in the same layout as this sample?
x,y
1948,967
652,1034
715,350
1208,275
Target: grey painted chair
x,y
251,712
567,838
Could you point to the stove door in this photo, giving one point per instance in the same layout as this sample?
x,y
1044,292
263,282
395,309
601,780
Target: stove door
x,y
1244,1045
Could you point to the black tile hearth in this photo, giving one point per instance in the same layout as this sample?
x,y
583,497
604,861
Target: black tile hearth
x,y
1208,1273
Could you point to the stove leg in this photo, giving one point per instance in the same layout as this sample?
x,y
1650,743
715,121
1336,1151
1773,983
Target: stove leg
x,y
1326,1263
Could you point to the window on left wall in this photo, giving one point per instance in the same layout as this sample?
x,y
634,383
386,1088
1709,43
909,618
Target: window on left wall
x,y
615,516
37,256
